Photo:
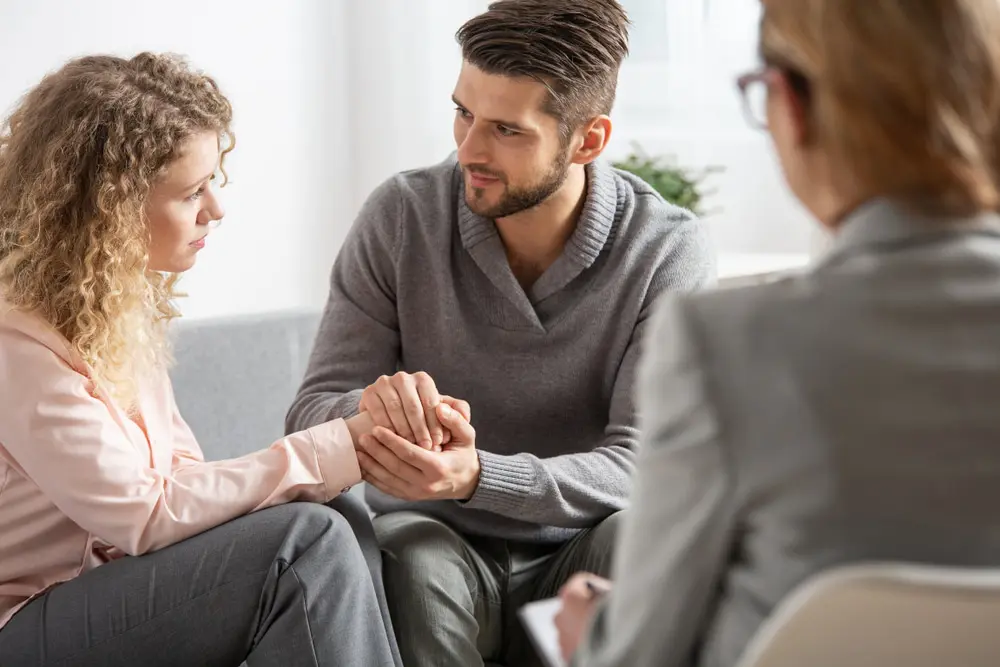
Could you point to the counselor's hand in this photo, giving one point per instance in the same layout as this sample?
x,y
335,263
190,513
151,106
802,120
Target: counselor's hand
x,y
579,598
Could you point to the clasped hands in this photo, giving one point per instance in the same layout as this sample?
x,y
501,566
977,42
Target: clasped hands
x,y
422,446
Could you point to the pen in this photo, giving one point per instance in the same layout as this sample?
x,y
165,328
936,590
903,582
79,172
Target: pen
x,y
595,590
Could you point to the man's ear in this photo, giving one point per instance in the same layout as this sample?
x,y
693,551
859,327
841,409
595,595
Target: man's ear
x,y
595,136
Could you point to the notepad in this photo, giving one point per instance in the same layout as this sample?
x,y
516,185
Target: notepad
x,y
539,619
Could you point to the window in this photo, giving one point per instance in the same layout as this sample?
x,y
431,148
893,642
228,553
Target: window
x,y
677,97
684,59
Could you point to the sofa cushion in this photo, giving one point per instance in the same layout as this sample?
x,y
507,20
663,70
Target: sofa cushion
x,y
235,377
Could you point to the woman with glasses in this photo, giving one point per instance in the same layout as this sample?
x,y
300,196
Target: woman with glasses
x,y
844,415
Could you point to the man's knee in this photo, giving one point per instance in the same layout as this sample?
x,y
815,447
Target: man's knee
x,y
596,547
605,534
419,550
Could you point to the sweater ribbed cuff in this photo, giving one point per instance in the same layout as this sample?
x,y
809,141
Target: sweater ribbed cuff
x,y
347,405
505,483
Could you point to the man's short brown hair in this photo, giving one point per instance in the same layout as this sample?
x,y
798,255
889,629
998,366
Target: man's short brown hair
x,y
574,47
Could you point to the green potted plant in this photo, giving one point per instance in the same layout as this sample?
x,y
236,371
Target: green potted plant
x,y
677,185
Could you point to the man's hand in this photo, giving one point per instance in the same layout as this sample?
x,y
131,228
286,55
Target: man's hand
x,y
362,423
406,404
579,598
401,469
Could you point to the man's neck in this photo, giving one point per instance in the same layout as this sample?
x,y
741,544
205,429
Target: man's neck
x,y
535,238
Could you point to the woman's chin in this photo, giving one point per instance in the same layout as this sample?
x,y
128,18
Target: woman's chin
x,y
178,265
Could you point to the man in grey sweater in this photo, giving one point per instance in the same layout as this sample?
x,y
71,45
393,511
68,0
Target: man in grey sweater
x,y
517,276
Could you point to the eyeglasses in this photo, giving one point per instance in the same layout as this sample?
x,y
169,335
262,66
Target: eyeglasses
x,y
753,88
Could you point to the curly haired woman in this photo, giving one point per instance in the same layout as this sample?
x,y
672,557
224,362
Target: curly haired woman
x,y
120,544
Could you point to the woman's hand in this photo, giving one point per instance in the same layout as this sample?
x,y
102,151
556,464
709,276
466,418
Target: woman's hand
x,y
363,423
579,598
359,425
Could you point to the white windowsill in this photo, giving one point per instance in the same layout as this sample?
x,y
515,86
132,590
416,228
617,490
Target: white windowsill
x,y
741,266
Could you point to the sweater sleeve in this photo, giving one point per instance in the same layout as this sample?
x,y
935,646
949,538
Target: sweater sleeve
x,y
358,338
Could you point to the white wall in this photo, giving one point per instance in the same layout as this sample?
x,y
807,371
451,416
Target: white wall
x,y
333,96
404,63
284,66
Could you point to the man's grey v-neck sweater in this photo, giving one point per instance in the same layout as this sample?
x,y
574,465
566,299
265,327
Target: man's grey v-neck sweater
x,y
423,284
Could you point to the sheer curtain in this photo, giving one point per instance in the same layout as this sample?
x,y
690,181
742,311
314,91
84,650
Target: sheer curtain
x,y
686,53
677,97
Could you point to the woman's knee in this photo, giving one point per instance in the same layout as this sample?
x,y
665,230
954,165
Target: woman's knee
x,y
301,526
321,519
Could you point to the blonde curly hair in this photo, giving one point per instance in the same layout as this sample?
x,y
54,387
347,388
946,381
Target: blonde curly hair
x,y
78,157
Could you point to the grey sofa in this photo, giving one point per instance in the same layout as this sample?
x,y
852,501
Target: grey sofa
x,y
235,377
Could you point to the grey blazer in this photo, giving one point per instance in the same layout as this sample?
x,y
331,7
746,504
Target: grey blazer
x,y
848,414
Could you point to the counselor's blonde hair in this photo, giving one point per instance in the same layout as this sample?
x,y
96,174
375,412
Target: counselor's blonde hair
x,y
78,157
903,94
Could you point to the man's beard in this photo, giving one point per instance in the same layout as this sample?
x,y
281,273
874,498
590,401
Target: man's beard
x,y
517,199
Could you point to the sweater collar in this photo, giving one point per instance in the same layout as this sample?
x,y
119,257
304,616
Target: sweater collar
x,y
601,208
